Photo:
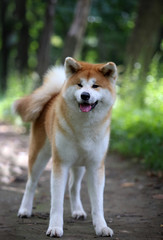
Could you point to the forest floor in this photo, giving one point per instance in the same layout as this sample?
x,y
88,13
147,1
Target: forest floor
x,y
133,199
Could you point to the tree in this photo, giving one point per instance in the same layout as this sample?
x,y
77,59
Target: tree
x,y
23,35
77,29
44,46
145,36
4,47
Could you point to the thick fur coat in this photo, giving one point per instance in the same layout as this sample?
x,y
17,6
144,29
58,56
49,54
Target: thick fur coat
x,y
70,115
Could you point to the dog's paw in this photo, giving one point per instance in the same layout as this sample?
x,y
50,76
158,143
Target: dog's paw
x,y
79,214
24,213
104,232
54,232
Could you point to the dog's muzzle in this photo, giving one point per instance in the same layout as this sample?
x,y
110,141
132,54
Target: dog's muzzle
x,y
85,106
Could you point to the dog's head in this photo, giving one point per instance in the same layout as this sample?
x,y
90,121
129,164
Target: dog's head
x,y
89,87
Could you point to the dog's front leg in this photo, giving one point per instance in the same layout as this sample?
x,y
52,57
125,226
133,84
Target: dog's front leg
x,y
96,181
58,183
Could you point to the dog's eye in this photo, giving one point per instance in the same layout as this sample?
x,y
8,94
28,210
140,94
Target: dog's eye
x,y
79,85
95,86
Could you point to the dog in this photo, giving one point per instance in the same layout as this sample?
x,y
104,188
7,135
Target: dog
x,y
71,117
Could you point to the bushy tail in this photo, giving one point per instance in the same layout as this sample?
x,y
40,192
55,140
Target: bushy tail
x,y
30,107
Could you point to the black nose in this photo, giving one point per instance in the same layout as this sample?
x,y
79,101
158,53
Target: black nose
x,y
85,96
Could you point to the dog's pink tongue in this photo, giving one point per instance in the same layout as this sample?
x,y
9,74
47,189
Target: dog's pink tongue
x,y
85,107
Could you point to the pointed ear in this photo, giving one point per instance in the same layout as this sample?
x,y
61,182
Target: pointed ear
x,y
109,70
71,66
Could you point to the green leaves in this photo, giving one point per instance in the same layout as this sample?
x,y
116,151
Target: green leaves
x,y
138,132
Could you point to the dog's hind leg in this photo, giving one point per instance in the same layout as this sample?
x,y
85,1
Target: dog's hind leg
x,y
39,154
76,175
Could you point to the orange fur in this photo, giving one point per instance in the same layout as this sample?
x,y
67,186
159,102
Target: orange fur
x,y
37,140
90,71
29,108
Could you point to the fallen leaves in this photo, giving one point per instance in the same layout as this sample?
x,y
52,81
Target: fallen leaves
x,y
158,173
127,184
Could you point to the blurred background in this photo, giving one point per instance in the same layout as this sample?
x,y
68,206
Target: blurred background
x,y
37,34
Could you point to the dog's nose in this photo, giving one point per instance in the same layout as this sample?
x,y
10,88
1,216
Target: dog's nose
x,y
85,96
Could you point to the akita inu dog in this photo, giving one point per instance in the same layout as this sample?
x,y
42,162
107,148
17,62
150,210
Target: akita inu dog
x,y
71,112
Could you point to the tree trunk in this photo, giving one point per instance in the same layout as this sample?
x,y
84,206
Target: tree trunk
x,y
23,35
76,32
44,47
4,49
143,42
143,45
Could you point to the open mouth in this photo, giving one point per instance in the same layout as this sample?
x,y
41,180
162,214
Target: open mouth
x,y
86,107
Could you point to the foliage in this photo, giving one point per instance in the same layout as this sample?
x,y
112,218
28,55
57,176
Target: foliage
x,y
109,26
18,86
137,131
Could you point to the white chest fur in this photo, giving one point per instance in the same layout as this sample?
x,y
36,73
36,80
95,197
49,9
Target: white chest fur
x,y
86,144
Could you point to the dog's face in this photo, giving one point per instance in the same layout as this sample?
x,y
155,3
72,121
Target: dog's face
x,y
90,87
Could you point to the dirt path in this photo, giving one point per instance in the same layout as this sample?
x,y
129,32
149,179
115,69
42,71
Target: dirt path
x,y
133,201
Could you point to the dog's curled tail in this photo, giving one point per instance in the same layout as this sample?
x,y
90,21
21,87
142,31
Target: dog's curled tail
x,y
30,107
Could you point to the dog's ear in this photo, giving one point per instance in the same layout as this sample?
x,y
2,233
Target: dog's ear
x,y
71,66
109,70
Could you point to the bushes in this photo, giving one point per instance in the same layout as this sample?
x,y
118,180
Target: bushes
x,y
137,131
18,86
